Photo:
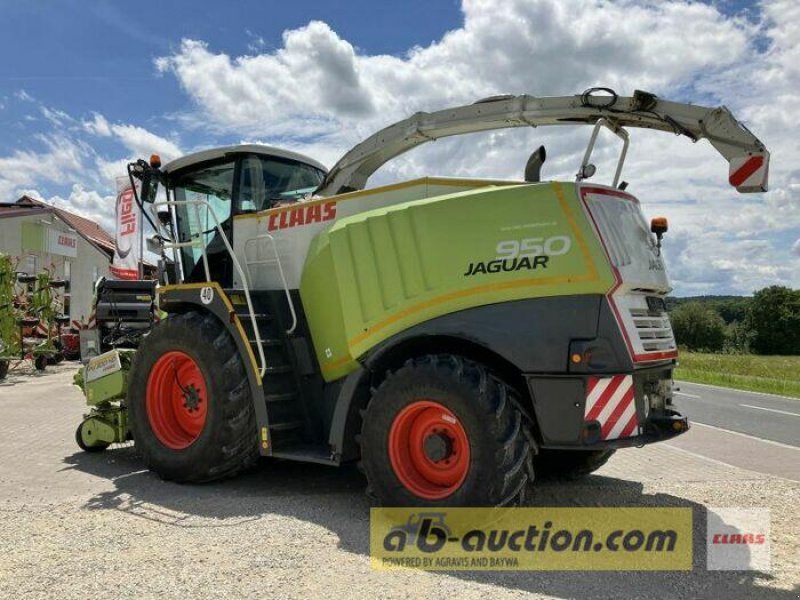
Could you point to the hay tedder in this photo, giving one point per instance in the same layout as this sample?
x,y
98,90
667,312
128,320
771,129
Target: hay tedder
x,y
30,317
453,336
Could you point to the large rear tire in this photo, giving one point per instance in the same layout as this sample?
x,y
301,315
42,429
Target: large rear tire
x,y
189,402
571,464
443,431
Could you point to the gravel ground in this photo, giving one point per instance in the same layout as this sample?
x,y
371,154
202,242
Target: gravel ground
x,y
76,525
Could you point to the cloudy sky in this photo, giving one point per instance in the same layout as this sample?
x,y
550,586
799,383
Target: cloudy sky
x,y
87,86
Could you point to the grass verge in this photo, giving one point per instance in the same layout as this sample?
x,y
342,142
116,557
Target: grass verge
x,y
770,374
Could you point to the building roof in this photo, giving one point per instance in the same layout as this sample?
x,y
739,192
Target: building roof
x,y
86,228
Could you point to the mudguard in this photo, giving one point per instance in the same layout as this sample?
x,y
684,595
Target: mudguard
x,y
210,297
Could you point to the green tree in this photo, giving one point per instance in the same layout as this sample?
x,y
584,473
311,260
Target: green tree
x,y
774,319
732,310
738,338
698,327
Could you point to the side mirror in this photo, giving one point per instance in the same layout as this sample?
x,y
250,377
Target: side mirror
x,y
149,187
587,171
155,244
164,217
148,175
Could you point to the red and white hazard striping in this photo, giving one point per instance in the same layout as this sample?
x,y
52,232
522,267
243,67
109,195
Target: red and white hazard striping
x,y
749,172
611,402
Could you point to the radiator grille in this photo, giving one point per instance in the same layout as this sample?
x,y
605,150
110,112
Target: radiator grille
x,y
653,329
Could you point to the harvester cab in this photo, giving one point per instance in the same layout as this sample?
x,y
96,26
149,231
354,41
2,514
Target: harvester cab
x,y
452,335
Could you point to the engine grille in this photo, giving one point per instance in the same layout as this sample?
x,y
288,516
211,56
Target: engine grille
x,y
653,329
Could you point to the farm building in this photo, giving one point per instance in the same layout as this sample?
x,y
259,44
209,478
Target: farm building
x,y
74,248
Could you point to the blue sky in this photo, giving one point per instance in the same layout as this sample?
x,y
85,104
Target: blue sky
x,y
88,85
97,56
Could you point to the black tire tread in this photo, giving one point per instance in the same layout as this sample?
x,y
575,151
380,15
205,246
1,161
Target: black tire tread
x,y
495,402
238,450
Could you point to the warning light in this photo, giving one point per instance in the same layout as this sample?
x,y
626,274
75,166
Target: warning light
x,y
576,358
659,225
155,161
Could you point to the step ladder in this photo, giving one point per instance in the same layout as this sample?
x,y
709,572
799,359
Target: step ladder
x,y
280,380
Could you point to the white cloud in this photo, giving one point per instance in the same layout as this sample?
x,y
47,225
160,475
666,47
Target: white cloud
x,y
314,92
319,82
137,140
99,125
62,159
86,203
317,94
142,143
23,95
56,117
65,158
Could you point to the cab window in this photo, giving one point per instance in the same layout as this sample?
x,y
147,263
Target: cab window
x,y
267,181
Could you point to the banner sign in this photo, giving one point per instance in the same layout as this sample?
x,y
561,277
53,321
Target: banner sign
x,y
127,248
532,539
62,243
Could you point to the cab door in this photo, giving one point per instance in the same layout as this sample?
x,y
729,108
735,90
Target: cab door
x,y
209,190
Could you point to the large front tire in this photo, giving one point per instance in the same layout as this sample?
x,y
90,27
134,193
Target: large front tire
x,y
189,402
443,431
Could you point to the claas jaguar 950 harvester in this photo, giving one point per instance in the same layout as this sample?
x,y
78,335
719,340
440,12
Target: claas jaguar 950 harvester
x,y
453,336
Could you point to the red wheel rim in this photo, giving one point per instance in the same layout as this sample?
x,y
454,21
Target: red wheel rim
x,y
176,400
429,450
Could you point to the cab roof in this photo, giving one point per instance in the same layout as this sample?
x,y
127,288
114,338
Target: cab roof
x,y
259,149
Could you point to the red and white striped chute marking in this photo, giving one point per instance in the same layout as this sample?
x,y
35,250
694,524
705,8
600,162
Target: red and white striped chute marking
x,y
749,173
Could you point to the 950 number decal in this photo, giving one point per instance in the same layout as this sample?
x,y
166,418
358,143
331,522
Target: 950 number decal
x,y
516,255
558,245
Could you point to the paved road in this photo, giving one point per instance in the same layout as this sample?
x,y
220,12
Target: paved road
x,y
761,415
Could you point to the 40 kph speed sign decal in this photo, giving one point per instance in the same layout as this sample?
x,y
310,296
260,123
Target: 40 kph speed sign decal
x,y
207,295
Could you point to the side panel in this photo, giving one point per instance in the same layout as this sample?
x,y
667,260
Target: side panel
x,y
292,228
533,335
378,273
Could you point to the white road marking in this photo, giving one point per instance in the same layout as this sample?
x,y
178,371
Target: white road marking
x,y
729,465
782,412
728,389
709,459
687,395
745,435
